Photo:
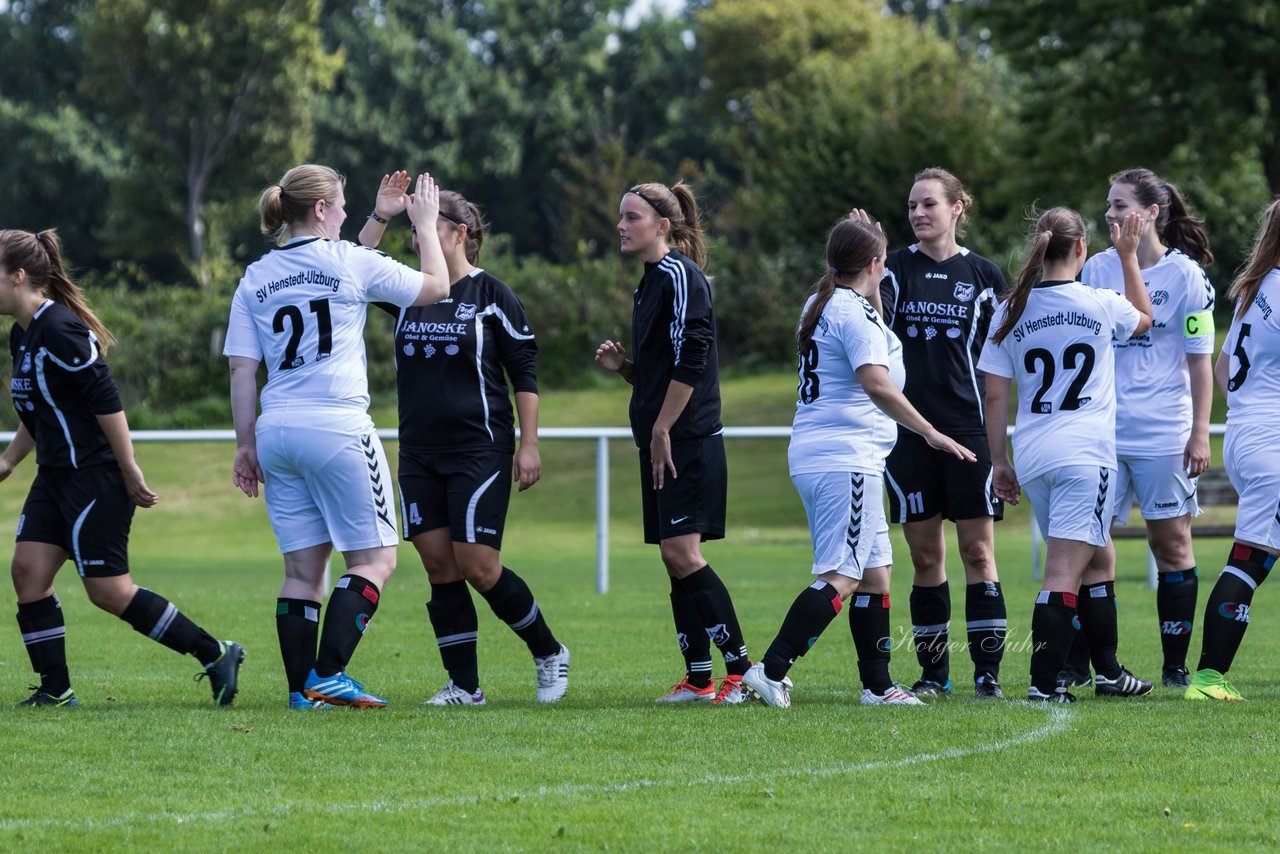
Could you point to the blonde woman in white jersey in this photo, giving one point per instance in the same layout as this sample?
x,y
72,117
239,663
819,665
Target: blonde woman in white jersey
x,y
1164,391
1248,372
1053,335
850,390
301,309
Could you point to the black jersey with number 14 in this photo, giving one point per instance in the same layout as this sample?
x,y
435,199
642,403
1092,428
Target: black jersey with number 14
x,y
941,310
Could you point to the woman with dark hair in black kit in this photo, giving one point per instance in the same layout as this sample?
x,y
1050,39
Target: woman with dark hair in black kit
x,y
87,483
458,454
675,419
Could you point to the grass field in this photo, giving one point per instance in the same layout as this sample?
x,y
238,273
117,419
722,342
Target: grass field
x,y
147,764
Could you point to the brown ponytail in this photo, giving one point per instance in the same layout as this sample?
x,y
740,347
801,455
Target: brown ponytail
x,y
40,255
1176,226
678,205
1264,257
1052,238
851,246
457,210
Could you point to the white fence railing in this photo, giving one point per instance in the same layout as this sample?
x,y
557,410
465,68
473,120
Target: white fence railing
x,y
602,435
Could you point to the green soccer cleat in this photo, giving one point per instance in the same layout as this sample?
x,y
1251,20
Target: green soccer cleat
x,y
1211,685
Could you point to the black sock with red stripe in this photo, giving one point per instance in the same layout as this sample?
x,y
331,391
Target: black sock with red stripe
x,y
1226,614
1054,625
809,615
351,606
869,623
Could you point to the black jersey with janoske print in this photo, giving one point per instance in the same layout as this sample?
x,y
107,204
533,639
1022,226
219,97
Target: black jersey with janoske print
x,y
941,312
450,360
60,385
673,337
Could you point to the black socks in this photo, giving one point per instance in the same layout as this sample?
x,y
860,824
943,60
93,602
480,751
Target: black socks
x,y
809,615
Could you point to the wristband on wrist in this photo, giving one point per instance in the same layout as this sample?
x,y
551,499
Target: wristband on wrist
x,y
374,216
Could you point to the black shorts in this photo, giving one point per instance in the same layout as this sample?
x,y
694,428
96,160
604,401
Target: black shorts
x,y
922,482
86,512
464,491
694,501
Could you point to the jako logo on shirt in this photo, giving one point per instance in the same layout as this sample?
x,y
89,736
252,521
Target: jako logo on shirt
x,y
1159,297
465,311
963,292
26,363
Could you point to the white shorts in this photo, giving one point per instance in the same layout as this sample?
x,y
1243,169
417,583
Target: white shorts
x,y
1251,455
1074,502
327,479
1161,486
846,521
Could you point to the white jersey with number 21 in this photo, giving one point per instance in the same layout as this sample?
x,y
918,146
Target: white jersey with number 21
x,y
301,309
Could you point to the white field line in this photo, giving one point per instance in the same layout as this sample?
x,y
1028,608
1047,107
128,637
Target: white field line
x,y
1059,721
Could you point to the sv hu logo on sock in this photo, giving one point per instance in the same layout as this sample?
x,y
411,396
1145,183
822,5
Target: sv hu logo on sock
x,y
362,622
1234,611
1175,627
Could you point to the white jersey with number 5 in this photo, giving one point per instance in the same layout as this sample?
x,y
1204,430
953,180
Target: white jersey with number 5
x,y
1153,383
1059,355
302,307
837,426
1253,345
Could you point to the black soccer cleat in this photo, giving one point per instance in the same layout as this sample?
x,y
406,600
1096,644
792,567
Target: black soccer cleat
x,y
1059,695
985,687
1075,679
223,672
927,689
1124,685
1176,677
40,698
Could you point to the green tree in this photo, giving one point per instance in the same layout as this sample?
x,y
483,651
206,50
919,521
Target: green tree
x,y
833,105
1185,87
214,96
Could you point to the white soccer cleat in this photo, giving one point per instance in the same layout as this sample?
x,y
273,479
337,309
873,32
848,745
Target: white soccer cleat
x,y
553,675
895,695
683,692
452,695
770,692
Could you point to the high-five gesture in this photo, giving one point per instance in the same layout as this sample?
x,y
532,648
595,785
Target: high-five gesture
x,y
391,198
424,205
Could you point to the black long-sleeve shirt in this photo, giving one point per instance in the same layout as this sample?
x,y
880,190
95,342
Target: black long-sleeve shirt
x,y
450,359
60,385
673,333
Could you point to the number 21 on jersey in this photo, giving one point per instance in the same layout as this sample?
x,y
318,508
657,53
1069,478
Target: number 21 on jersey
x,y
296,322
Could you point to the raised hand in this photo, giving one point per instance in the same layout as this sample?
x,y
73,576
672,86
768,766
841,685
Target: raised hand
x,y
1128,234
424,205
391,198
